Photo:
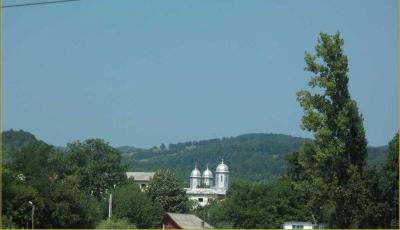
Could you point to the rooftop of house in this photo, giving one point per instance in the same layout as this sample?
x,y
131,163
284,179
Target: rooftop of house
x,y
140,176
188,221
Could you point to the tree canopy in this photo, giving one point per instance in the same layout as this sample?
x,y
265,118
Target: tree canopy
x,y
340,147
58,184
134,205
165,190
97,165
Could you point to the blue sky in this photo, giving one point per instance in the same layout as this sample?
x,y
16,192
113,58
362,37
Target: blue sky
x,y
143,73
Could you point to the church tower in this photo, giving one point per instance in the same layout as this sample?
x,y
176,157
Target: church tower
x,y
222,176
208,185
207,177
195,178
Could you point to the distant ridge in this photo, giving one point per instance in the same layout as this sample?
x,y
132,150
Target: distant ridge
x,y
15,140
254,156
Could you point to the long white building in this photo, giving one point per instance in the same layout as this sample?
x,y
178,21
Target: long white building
x,y
204,186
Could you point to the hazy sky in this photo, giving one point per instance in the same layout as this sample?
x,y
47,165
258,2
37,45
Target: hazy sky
x,y
143,73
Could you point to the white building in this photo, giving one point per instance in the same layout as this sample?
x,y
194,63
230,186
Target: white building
x,y
142,179
302,225
204,187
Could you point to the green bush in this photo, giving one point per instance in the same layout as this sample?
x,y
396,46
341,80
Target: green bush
x,y
115,224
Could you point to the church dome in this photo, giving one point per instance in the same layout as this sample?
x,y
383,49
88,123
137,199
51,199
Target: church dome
x,y
222,168
207,173
195,172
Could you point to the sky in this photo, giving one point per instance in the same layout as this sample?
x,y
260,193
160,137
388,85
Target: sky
x,y
142,73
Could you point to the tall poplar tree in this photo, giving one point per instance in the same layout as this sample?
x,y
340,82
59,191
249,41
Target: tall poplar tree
x,y
333,117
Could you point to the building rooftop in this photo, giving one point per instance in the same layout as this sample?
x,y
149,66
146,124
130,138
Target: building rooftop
x,y
188,221
205,191
222,168
297,222
140,176
303,223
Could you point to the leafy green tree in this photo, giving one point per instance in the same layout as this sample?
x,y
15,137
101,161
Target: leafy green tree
x,y
258,205
381,197
58,184
97,166
374,204
390,182
16,195
33,162
300,171
25,177
33,175
8,223
69,207
333,117
216,214
131,203
166,190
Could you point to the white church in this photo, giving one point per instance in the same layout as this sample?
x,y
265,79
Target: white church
x,y
204,187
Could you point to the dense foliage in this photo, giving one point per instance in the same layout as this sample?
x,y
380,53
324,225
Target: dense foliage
x,y
164,189
70,190
36,173
257,205
339,154
15,140
130,203
390,180
96,165
295,196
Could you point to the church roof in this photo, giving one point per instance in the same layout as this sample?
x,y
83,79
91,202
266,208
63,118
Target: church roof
x,y
207,173
222,167
188,221
195,172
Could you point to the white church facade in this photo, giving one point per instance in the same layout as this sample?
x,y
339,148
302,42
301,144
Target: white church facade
x,y
204,186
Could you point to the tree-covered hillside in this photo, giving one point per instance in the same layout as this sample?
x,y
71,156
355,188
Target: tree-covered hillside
x,y
15,141
377,155
254,157
250,157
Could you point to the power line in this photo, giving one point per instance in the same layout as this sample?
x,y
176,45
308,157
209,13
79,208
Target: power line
x,y
38,3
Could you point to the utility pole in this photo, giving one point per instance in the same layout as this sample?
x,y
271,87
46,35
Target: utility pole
x,y
204,217
315,221
33,213
110,207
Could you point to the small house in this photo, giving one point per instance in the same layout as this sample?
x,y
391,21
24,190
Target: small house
x,y
183,221
302,225
142,179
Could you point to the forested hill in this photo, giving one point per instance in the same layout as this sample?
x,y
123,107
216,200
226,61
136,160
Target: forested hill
x,y
250,157
15,140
